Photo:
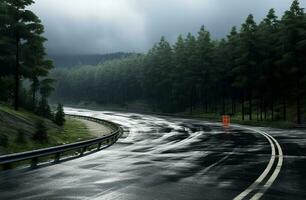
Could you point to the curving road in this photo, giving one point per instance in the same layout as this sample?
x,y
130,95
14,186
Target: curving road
x,y
163,158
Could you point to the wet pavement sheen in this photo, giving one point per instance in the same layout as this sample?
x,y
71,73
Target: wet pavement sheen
x,y
163,158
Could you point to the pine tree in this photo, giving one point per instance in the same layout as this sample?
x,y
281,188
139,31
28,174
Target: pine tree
x,y
231,54
45,90
191,72
35,64
43,108
204,64
180,63
268,70
59,115
41,134
159,75
25,28
293,43
246,70
6,47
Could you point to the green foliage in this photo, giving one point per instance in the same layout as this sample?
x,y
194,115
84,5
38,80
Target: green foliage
x,y
253,71
43,109
22,52
3,140
23,128
59,118
20,138
157,75
46,87
41,132
115,82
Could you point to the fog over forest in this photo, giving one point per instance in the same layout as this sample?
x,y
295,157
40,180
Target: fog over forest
x,y
97,27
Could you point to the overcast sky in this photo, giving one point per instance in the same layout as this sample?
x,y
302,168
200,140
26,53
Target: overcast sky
x,y
105,26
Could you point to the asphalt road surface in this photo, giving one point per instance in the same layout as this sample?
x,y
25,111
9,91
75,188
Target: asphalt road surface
x,y
161,158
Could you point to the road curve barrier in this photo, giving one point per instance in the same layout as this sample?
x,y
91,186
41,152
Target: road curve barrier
x,y
56,153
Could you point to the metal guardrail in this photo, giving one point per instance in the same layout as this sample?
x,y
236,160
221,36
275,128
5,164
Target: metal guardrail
x,y
7,160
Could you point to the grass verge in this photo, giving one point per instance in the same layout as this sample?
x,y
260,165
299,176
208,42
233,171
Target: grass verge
x,y
18,128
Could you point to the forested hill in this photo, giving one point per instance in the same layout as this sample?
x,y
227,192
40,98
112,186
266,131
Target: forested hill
x,y
79,60
257,71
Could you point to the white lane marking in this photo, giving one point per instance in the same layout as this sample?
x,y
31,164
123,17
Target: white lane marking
x,y
266,171
263,175
273,177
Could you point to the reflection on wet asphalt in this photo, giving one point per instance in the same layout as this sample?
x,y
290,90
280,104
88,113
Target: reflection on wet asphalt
x,y
165,158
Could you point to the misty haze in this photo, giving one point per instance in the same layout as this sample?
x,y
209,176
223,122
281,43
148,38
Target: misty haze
x,y
99,27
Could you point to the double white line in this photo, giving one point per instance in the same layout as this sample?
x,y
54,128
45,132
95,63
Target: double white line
x,y
256,190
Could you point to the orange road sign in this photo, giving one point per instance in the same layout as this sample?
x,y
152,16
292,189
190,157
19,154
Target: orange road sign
x,y
226,120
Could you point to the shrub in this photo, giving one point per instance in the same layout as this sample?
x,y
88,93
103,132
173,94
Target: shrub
x,y
3,140
20,137
43,109
59,115
41,132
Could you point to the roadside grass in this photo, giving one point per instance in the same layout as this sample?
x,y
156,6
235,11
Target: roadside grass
x,y
22,121
73,131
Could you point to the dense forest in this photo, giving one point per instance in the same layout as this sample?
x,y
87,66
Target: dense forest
x,y
23,65
258,71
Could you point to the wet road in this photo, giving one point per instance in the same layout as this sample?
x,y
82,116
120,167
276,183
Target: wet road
x,y
172,158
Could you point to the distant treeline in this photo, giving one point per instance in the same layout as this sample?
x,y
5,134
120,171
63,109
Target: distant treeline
x,y
80,60
258,71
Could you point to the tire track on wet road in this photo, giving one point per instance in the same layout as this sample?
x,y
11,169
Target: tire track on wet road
x,y
158,158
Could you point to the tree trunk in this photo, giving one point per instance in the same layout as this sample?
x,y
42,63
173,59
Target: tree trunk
x,y
35,85
203,101
223,105
298,101
250,107
261,110
284,109
298,110
216,104
272,109
17,76
242,107
233,106
257,111
34,98
191,101
265,110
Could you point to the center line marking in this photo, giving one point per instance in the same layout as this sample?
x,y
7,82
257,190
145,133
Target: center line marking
x,y
273,177
259,180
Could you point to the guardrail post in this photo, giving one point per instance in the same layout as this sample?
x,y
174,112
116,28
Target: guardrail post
x,y
57,157
83,151
34,162
99,146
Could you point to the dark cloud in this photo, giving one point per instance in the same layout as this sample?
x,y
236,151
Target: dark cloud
x,y
104,26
